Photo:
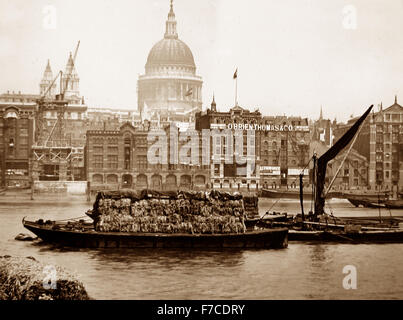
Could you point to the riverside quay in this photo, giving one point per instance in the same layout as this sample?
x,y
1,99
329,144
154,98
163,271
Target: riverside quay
x,y
236,150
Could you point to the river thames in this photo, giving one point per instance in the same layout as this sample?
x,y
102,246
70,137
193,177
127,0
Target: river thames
x,y
302,271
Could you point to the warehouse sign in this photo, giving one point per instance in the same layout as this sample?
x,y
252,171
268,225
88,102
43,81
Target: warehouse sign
x,y
297,172
270,171
266,127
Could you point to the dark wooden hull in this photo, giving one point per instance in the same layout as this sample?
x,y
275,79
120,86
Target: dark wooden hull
x,y
390,204
292,194
389,236
269,238
365,203
394,204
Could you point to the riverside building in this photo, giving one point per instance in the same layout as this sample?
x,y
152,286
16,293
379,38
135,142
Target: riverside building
x,y
280,149
381,142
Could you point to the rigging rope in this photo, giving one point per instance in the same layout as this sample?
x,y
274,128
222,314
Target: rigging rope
x,y
285,190
71,219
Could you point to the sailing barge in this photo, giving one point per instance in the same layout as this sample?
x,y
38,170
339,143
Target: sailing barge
x,y
124,219
317,225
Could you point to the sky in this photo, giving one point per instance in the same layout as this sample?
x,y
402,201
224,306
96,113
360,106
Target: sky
x,y
293,56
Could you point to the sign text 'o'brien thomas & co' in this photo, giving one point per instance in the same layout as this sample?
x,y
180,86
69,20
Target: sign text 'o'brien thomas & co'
x,y
266,127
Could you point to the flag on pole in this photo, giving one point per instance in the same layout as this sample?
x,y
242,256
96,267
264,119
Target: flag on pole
x,y
189,92
236,73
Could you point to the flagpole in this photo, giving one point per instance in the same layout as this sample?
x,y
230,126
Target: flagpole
x,y
236,86
236,91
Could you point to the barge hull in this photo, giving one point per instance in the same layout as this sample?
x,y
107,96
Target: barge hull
x,y
270,239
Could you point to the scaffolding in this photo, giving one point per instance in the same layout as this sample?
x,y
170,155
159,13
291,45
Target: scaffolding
x,y
53,155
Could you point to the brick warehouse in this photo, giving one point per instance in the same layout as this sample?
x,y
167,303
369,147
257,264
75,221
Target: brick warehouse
x,y
381,142
117,159
16,138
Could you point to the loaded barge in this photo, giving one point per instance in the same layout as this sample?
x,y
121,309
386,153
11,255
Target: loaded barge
x,y
125,219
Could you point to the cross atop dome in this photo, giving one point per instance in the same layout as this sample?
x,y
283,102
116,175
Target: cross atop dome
x,y
170,31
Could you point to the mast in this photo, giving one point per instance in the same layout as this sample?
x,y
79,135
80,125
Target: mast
x,y
320,172
301,194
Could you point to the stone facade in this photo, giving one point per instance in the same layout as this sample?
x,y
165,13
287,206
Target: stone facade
x,y
381,142
386,149
284,151
353,175
281,148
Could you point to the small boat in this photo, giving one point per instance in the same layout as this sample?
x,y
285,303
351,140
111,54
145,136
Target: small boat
x,y
394,204
291,194
367,203
368,236
83,235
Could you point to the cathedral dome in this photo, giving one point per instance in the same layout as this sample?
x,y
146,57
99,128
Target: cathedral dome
x,y
170,51
170,83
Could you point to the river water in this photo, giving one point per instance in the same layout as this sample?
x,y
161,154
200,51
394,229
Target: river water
x,y
302,271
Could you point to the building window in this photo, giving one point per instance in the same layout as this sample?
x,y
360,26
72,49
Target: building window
x,y
98,161
112,161
98,149
142,162
113,150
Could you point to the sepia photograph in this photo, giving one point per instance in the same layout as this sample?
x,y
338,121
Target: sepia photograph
x,y
223,151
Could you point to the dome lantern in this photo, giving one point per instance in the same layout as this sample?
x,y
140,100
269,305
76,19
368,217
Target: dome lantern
x,y
170,32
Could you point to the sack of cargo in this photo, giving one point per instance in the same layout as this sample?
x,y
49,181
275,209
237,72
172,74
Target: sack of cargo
x,y
182,212
352,228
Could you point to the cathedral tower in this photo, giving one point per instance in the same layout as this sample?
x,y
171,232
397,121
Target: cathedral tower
x,y
71,81
47,81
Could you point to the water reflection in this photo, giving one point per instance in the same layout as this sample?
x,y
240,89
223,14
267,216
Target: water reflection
x,y
310,271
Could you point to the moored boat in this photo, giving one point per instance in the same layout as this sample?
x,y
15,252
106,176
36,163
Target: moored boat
x,y
159,219
292,194
368,203
318,225
368,236
86,237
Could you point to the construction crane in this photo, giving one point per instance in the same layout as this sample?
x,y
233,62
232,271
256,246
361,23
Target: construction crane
x,y
60,114
51,147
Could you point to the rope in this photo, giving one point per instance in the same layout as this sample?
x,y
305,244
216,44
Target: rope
x,y
71,219
344,159
284,191
313,185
